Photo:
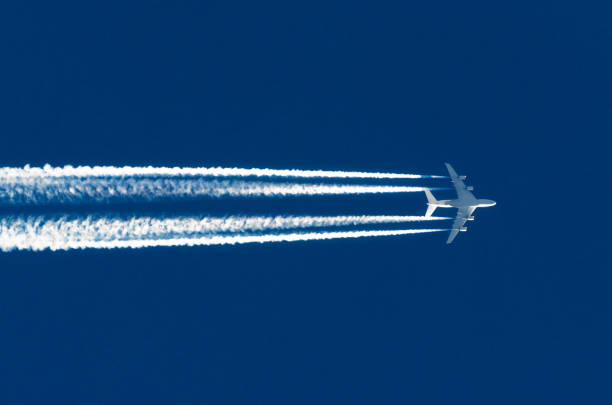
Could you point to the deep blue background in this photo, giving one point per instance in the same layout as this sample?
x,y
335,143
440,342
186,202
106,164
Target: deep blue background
x,y
516,96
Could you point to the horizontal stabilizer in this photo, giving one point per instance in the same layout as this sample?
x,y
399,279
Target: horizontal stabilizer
x,y
430,210
430,198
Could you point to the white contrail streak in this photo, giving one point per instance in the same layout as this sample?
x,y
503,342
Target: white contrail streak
x,y
71,189
112,171
19,230
34,242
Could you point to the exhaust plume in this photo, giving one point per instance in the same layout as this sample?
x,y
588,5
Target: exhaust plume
x,y
20,229
27,240
112,171
44,190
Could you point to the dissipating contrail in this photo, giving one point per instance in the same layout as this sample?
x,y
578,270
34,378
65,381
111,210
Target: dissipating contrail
x,y
20,230
66,241
44,190
101,184
113,171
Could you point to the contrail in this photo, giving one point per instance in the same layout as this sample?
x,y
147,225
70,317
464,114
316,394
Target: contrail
x,y
37,190
21,229
112,171
36,242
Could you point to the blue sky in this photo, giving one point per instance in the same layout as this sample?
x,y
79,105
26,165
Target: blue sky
x,y
516,96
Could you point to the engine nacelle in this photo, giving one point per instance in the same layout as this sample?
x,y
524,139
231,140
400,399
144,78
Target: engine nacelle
x,y
463,229
470,218
470,188
462,177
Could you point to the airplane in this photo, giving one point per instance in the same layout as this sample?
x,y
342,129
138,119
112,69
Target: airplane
x,y
465,203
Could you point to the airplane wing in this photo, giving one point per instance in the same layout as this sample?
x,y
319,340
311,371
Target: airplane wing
x,y
451,237
462,191
462,216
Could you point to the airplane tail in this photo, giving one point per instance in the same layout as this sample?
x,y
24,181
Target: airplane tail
x,y
430,210
431,200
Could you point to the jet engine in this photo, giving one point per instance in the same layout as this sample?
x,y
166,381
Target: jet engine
x,y
470,218
463,229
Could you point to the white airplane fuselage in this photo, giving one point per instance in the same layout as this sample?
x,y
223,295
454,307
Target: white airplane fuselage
x,y
464,203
